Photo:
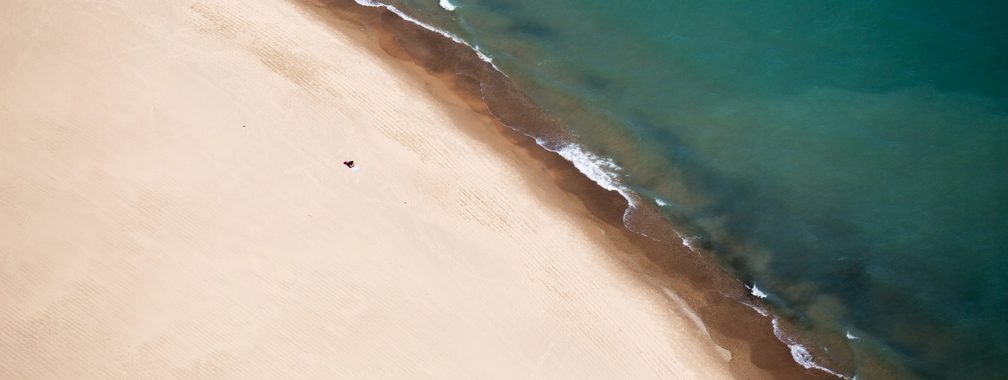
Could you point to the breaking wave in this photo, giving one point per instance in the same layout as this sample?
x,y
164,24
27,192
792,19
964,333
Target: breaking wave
x,y
447,5
800,353
457,39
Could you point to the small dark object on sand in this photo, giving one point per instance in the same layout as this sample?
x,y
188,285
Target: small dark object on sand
x,y
349,164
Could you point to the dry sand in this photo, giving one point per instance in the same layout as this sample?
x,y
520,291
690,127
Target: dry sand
x,y
172,205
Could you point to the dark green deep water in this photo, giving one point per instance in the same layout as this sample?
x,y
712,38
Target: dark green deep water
x,y
847,157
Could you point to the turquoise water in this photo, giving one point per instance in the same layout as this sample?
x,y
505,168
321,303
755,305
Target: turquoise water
x,y
849,158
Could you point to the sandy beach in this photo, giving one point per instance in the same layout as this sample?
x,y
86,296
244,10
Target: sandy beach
x,y
174,206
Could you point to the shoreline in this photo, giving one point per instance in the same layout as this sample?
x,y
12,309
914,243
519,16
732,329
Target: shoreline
x,y
177,208
728,309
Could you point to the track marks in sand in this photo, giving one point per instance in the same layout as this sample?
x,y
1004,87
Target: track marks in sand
x,y
273,46
439,151
492,210
481,208
432,149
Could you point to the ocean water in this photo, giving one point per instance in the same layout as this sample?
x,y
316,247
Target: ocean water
x,y
848,158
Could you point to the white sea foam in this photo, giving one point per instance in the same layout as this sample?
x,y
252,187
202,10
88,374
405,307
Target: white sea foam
x,y
601,170
852,336
757,292
457,39
799,353
759,309
393,9
660,202
484,57
447,5
687,241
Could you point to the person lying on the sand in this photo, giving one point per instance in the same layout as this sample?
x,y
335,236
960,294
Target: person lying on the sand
x,y
349,164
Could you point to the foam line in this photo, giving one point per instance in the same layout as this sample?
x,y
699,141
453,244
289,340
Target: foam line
x,y
757,292
457,39
801,355
601,170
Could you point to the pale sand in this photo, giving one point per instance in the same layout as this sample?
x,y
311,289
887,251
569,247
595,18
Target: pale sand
x,y
144,233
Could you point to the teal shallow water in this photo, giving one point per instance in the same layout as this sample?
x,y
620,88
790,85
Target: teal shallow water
x,y
849,158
